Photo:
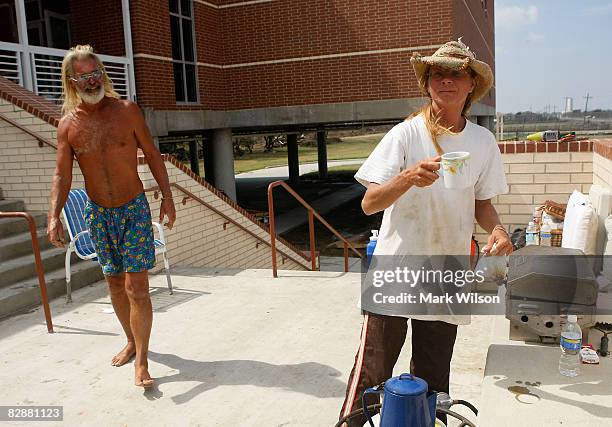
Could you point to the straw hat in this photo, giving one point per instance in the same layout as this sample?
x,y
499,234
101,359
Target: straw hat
x,y
454,55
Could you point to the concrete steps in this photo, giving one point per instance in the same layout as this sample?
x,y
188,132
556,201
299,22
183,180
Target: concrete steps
x,y
17,269
19,288
25,294
11,205
9,226
20,244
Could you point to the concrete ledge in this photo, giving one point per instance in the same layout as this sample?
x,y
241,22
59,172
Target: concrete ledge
x,y
603,147
163,122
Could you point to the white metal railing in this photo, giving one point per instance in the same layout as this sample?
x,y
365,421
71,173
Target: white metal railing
x,y
10,64
45,65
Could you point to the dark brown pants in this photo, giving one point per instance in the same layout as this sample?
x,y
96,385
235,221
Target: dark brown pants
x,y
382,338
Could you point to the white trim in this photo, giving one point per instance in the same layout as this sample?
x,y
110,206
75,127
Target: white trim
x,y
225,6
333,55
156,57
205,64
205,3
298,59
329,56
25,60
480,32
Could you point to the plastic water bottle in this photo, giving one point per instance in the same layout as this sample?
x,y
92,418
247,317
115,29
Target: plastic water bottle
x,y
371,245
545,235
532,235
570,343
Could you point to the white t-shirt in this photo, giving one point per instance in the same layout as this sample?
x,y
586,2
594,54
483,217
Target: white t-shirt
x,y
432,220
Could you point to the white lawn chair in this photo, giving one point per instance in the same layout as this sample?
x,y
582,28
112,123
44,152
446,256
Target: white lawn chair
x,y
80,240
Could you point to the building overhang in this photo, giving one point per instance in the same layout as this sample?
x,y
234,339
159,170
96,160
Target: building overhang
x,y
300,117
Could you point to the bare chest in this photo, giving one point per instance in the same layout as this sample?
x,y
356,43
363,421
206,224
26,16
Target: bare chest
x,y
100,136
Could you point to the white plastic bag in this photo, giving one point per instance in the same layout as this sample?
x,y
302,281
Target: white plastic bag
x,y
580,225
607,261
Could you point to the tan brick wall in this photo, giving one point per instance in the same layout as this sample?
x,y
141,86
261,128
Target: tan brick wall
x,y
25,168
534,178
602,163
199,237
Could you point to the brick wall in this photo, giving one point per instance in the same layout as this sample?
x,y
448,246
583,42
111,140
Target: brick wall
x,y
150,20
154,83
274,31
294,28
321,81
209,34
101,27
475,25
602,162
537,176
231,41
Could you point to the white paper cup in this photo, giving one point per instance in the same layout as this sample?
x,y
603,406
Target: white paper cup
x,y
456,169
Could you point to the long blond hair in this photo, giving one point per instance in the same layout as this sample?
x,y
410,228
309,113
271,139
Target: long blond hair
x,y
70,96
432,120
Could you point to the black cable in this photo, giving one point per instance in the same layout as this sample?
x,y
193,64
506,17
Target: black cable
x,y
357,412
466,403
464,421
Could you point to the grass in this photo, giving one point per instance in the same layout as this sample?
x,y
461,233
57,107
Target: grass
x,y
353,147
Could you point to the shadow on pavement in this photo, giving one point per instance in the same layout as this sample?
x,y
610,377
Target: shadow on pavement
x,y
309,378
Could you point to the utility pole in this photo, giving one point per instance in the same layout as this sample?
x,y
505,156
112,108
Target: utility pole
x,y
586,106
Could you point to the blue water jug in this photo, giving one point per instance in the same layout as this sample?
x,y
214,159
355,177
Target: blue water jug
x,y
406,403
371,246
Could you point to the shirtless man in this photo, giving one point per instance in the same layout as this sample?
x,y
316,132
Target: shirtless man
x,y
104,133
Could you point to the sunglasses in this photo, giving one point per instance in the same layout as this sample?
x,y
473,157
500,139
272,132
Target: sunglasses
x,y
84,78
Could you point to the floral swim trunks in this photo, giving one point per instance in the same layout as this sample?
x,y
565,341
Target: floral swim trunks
x,y
123,236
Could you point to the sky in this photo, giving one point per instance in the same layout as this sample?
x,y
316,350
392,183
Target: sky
x,y
546,50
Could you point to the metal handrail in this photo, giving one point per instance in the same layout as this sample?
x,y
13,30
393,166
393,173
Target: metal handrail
x,y
41,141
311,215
39,265
190,195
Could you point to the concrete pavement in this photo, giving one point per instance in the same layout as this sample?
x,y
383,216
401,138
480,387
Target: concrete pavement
x,y
230,348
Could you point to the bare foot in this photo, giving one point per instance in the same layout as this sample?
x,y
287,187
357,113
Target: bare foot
x,y
124,355
143,379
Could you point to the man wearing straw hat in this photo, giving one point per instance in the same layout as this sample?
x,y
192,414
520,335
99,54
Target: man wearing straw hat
x,y
104,134
422,217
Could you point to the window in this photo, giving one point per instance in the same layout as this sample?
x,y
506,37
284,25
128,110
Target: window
x,y
8,22
183,51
